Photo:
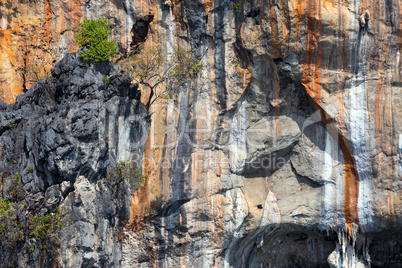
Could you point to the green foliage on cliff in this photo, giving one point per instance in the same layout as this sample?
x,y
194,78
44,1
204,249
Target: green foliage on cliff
x,y
20,224
127,176
11,124
237,6
45,228
93,35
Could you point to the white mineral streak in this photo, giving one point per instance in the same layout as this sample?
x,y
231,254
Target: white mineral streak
x,y
271,213
344,256
332,176
359,128
129,22
329,179
237,140
4,20
235,211
171,33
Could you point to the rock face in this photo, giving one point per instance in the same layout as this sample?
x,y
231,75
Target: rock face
x,y
285,153
67,133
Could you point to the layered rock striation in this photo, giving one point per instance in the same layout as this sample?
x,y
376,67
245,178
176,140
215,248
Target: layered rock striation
x,y
286,152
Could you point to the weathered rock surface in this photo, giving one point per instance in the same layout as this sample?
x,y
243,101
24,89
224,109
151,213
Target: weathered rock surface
x,y
287,153
67,132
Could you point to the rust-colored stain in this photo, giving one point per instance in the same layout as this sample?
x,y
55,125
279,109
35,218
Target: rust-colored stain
x,y
208,5
388,149
299,13
312,60
75,17
273,21
384,124
246,70
285,27
311,80
139,200
7,56
350,169
48,22
178,20
276,99
378,118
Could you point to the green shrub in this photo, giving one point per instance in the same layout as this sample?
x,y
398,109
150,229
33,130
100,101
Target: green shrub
x,y
106,80
22,223
93,35
31,169
11,124
45,228
127,171
236,60
237,6
14,189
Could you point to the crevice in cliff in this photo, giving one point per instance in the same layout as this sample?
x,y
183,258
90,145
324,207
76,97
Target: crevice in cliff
x,y
140,30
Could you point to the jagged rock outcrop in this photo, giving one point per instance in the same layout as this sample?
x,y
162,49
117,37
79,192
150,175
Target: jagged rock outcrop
x,y
67,133
285,153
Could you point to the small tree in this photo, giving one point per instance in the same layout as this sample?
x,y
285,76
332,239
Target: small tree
x,y
93,35
153,69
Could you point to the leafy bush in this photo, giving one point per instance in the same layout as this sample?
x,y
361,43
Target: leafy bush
x,y
237,6
24,224
11,124
14,189
31,169
106,80
93,35
127,172
10,226
45,228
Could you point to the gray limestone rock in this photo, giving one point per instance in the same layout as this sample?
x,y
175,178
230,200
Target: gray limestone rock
x,y
62,136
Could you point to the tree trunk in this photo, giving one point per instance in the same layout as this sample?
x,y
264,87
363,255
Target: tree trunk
x,y
149,99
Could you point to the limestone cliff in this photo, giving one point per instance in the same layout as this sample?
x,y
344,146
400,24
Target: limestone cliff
x,y
285,153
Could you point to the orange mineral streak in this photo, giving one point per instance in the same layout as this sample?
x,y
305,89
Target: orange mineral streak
x,y
276,99
208,5
273,21
76,13
139,201
388,149
247,70
384,124
379,122
48,22
178,20
8,59
285,24
298,7
311,80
